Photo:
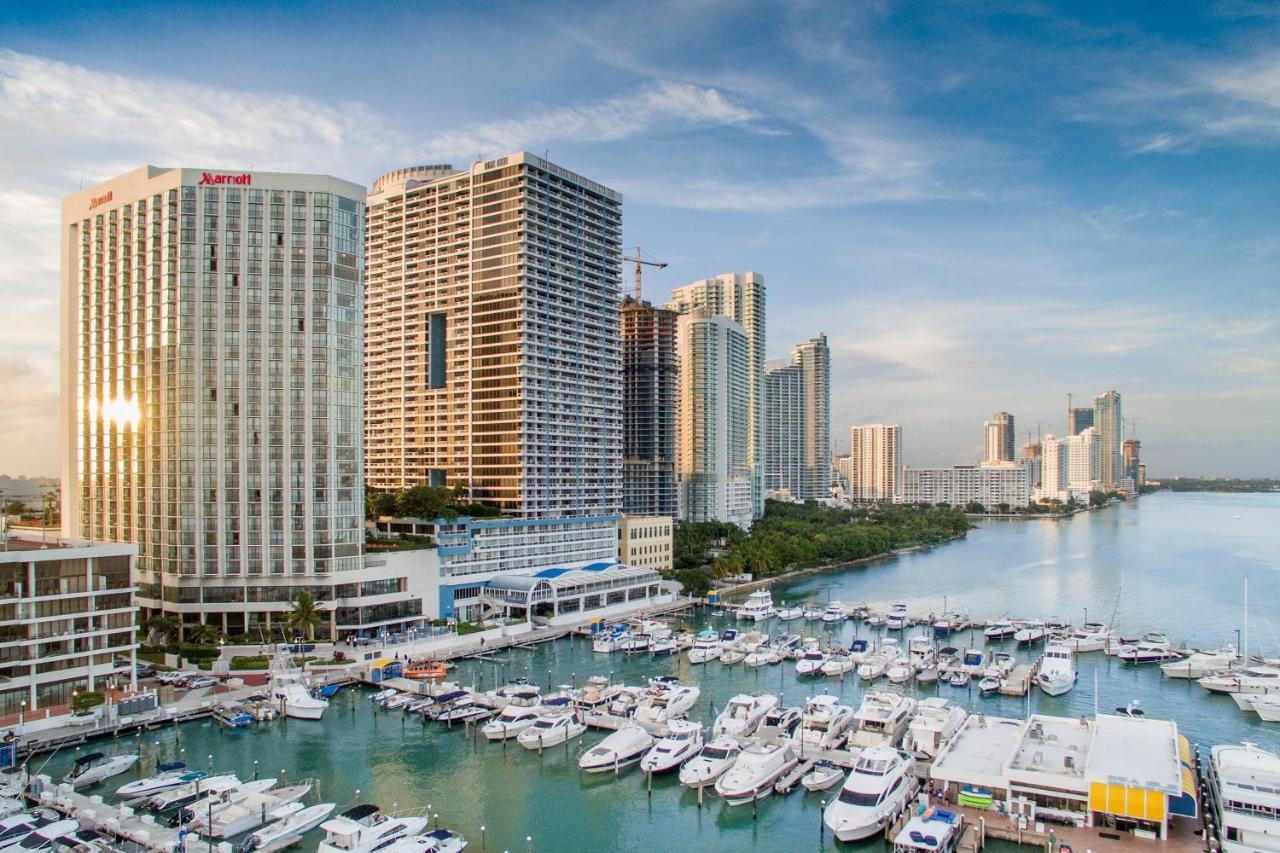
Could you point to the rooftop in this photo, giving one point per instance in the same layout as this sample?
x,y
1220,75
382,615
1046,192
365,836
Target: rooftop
x,y
979,751
1057,745
1137,751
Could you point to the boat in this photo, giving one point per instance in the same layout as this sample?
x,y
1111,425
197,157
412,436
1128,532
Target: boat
x,y
424,669
1030,633
364,828
974,661
620,710
760,656
928,675
838,664
288,831
15,828
326,691
824,723
823,775
619,749
1243,782
633,643
710,762
607,640
834,613
733,656
383,695
936,721
557,723
201,810
1057,672
947,623
882,718
876,664
758,607
810,663
400,700
897,619
85,841
670,702
931,830
1266,705
882,784
435,841
664,647
1002,664
922,652
96,766
706,647
42,837
252,811
975,796
519,714
759,766
813,614
1202,663
466,708
989,685
1001,629
288,690
1089,637
742,714
782,720
173,799
1152,648
900,670
789,614
681,742
1259,678
959,678
233,715
172,774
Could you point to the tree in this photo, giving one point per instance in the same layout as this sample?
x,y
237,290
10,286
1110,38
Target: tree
x,y
203,633
305,615
161,629
973,507
15,508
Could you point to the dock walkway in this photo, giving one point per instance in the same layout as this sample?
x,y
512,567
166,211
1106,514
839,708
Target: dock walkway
x,y
120,822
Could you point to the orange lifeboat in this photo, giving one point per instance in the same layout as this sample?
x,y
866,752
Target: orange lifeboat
x,y
424,670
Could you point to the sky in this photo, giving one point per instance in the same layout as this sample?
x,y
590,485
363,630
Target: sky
x,y
984,206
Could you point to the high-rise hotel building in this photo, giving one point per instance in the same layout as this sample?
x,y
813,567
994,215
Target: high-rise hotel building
x,y
493,358
212,389
1108,447
797,422
998,439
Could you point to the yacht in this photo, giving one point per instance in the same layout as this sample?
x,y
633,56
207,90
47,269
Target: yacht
x,y
760,765
557,723
663,704
251,811
758,607
706,647
287,688
933,830
435,841
875,664
928,675
1265,705
176,798
362,829
838,664
465,708
43,837
782,720
1030,633
1152,648
655,628
1200,664
710,762
681,742
948,622
811,662
936,721
1251,679
922,652
286,832
608,640
882,718
199,811
1244,789
742,715
1090,637
662,648
859,649
882,784
170,775
834,613
95,767
622,748
1057,673
900,670
789,614
813,614
874,619
760,656
521,712
824,724
15,828
632,643
897,619
1001,629
974,661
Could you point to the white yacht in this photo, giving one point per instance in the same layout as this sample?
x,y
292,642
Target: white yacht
x,y
1258,678
362,829
760,765
1244,793
897,619
837,664
662,704
1089,637
681,742
173,774
95,767
288,689
608,640
521,712
1030,633
251,811
286,832
1200,664
1152,648
711,762
922,652
175,798
43,837
17,827
882,718
876,664
788,614
835,612
813,614
936,721
706,647
974,661
622,748
900,670
742,714
882,784
1265,705
556,724
1057,673
811,662
758,607
824,723
435,841
635,642
1001,629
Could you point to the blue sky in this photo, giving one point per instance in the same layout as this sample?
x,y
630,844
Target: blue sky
x,y
984,206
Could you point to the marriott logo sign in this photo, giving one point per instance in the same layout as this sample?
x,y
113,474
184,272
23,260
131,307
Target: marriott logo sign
x,y
211,178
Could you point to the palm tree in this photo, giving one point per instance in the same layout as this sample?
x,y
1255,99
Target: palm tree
x,y
162,628
203,633
305,615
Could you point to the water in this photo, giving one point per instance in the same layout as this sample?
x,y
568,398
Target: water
x,y
1174,562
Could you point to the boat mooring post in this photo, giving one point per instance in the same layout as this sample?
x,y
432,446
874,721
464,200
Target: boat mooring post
x,y
822,827
548,681
357,796
700,787
615,762
255,769
649,784
482,838
209,761
539,743
754,813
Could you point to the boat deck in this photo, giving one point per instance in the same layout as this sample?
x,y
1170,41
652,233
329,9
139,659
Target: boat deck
x,y
1184,835
116,821
1018,682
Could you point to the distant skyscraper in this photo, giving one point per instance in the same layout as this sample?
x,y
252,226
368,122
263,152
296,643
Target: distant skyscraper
x,y
1079,420
740,297
797,446
1080,451
649,376
874,461
1108,424
1031,457
716,481
1053,467
1132,459
998,438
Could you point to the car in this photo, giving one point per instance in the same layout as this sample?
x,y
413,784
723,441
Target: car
x,y
144,669
200,681
300,648
171,676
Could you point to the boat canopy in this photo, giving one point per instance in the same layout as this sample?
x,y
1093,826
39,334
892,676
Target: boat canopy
x,y
170,765
450,696
88,759
361,811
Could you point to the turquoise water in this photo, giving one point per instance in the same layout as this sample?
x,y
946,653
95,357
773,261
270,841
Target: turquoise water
x,y
1174,562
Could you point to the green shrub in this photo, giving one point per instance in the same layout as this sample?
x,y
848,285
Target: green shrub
x,y
243,662
85,700
196,652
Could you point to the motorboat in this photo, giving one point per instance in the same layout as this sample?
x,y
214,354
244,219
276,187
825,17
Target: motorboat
x,y
464,709
936,721
96,766
859,648
876,664
947,623
838,664
1259,678
634,643
43,837
655,628
922,652
803,647
814,614
664,647
607,641
1057,673
662,704
381,695
443,702
742,714
520,714
1242,783
873,618
835,612
288,831
1001,629
710,762
948,658
252,811
932,830
364,828
201,810
760,765
882,718
16,828
706,647
787,645
882,784
783,720
1266,705
1030,633
928,675
556,724
1200,664
824,724
435,841
959,678
183,795
1002,664
900,670
1152,648
619,749
758,607
170,775
811,662
789,614
760,656
897,619
823,775
288,689
989,685
1089,637
85,841
682,741
623,706
974,661
595,696
400,700
733,655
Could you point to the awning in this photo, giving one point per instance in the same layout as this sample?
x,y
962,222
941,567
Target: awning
x,y
379,664
1185,804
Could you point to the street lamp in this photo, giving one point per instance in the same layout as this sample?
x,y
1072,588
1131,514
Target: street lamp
x,y
22,715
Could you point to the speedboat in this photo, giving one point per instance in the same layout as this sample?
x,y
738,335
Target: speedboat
x,y
1001,629
183,795
520,713
1242,782
363,829
556,724
288,689
761,764
251,811
936,721
742,714
382,695
1152,648
621,748
788,614
1057,673
881,786
1030,633
922,652
16,828
1002,664
900,670
1200,664
399,701
823,775
286,832
897,619
43,837
811,662
838,664
758,607
989,685
664,647
633,643
824,723
710,762
875,664
435,841
932,830
607,641
662,704
882,718
95,767
760,656
974,661
959,678
706,647
1252,679
835,612
170,775
813,614
1089,637
1265,705
782,720
682,740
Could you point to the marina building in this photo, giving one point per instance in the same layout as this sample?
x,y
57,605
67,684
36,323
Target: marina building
x,y
874,460
212,389
647,541
1006,484
998,438
1108,427
649,374
797,423
559,594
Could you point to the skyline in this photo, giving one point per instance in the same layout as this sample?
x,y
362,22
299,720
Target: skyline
x,y
1094,213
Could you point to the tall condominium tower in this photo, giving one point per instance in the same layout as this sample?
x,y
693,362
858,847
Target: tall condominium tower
x,y
1078,420
1053,467
797,422
740,297
874,462
1081,451
1032,459
1108,424
713,417
211,387
493,357
1132,459
649,373
998,438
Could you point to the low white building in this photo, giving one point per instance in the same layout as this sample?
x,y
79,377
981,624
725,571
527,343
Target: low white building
x,y
647,541
989,485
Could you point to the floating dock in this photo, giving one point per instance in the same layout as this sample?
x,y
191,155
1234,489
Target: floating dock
x,y
1018,682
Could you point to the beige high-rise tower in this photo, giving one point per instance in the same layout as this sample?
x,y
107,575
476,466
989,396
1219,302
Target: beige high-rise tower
x,y
874,462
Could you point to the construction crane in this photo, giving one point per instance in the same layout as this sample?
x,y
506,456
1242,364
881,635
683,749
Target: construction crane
x,y
639,261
